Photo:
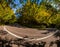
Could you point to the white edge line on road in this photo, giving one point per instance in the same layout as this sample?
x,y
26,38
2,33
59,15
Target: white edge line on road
x,y
29,39
12,33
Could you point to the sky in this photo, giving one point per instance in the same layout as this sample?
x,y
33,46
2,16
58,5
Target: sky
x,y
19,5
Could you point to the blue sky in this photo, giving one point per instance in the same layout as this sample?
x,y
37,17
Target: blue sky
x,y
18,5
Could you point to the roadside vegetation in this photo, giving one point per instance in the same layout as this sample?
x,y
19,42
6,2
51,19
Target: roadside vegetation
x,y
45,14
7,15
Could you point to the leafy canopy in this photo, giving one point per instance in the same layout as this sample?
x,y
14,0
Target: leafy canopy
x,y
6,13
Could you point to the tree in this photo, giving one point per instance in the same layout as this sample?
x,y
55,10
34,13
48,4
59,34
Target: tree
x,y
28,12
44,14
55,20
6,13
33,13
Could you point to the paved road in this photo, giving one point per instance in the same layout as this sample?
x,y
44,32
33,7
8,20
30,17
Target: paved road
x,y
31,33
16,29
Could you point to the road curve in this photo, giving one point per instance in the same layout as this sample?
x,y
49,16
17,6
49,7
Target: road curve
x,y
28,38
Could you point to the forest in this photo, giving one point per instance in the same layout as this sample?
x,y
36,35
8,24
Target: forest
x,y
31,13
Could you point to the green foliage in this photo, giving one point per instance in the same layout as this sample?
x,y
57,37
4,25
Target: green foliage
x,y
43,15
28,12
55,19
6,13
